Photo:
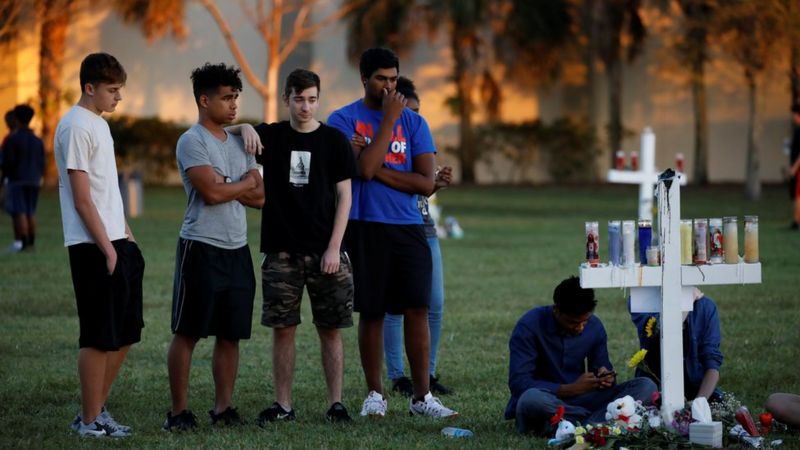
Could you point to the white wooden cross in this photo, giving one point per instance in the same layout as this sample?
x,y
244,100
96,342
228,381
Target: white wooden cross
x,y
646,177
671,286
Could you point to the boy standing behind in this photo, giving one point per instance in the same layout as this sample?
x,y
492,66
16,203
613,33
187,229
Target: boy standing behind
x,y
106,263
307,172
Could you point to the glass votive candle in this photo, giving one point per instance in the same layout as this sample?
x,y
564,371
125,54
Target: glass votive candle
x,y
731,240
686,241
751,239
653,256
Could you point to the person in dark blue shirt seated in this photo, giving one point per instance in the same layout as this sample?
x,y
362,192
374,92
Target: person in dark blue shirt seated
x,y
559,356
702,357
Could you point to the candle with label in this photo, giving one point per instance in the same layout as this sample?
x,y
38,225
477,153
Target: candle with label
x,y
731,240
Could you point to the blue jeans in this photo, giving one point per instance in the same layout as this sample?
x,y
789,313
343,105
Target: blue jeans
x,y
535,407
393,323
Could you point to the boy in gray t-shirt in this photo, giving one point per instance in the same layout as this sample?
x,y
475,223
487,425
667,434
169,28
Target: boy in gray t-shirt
x,y
214,281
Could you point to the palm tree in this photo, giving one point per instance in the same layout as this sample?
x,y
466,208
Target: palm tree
x,y
54,17
750,32
619,20
694,54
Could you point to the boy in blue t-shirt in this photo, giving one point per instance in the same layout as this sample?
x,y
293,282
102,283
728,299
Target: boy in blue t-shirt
x,y
389,252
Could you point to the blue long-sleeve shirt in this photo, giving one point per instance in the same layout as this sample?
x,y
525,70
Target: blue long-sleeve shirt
x,y
701,343
543,356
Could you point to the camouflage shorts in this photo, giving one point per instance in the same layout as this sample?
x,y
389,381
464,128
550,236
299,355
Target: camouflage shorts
x,y
283,277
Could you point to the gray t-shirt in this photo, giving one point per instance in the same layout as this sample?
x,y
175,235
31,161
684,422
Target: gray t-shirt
x,y
223,225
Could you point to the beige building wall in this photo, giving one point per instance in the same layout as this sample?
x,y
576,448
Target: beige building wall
x,y
158,84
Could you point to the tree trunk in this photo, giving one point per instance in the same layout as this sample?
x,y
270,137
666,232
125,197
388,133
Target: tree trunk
x,y
700,122
271,95
464,83
51,64
753,181
614,107
794,72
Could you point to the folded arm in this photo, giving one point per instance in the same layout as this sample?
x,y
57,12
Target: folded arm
x,y
212,187
420,181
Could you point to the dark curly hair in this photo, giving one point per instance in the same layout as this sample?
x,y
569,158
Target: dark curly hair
x,y
572,299
209,77
377,58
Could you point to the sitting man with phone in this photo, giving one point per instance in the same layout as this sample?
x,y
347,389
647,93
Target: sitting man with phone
x,y
558,356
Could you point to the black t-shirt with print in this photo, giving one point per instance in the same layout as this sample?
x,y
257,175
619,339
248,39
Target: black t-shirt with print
x,y
300,175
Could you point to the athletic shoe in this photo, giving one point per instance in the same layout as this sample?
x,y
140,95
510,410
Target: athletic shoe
x,y
229,417
94,429
273,414
404,386
98,429
106,417
338,414
437,388
431,407
184,421
112,428
374,405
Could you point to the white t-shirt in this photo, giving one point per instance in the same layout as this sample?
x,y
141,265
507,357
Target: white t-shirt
x,y
83,142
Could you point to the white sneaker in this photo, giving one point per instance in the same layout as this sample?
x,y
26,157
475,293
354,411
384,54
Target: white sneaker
x,y
94,429
431,407
105,417
374,405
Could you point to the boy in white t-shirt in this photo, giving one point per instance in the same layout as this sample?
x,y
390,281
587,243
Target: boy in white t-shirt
x,y
106,264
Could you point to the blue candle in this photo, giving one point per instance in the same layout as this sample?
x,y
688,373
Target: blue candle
x,y
614,241
645,237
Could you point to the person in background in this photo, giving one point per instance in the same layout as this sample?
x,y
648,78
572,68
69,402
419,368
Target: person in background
x,y
794,162
23,166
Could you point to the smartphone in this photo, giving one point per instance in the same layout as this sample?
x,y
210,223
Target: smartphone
x,y
607,374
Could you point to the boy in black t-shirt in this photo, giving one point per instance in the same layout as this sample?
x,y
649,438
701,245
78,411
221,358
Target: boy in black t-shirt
x,y
307,172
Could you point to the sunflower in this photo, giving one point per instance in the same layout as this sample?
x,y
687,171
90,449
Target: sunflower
x,y
637,358
648,329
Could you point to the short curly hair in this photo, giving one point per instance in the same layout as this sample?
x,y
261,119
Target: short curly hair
x,y
572,299
207,78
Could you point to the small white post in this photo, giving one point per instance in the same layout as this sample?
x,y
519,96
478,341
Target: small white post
x,y
648,155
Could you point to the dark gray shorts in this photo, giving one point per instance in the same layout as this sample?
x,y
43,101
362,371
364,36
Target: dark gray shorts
x,y
283,277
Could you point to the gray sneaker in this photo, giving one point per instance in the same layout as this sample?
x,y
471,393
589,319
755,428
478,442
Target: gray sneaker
x,y
99,429
106,417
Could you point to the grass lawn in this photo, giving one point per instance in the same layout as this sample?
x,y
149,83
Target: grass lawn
x,y
519,243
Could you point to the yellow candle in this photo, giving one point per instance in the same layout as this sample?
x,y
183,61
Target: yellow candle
x,y
686,241
751,239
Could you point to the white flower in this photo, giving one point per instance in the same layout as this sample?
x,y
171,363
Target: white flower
x,y
654,421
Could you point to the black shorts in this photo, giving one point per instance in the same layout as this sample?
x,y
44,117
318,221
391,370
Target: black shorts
x,y
391,267
213,291
109,306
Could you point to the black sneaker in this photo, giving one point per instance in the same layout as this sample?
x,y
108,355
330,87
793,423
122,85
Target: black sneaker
x,y
404,386
229,417
437,387
184,421
273,414
338,414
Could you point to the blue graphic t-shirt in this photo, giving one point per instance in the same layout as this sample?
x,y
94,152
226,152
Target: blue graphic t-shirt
x,y
374,201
